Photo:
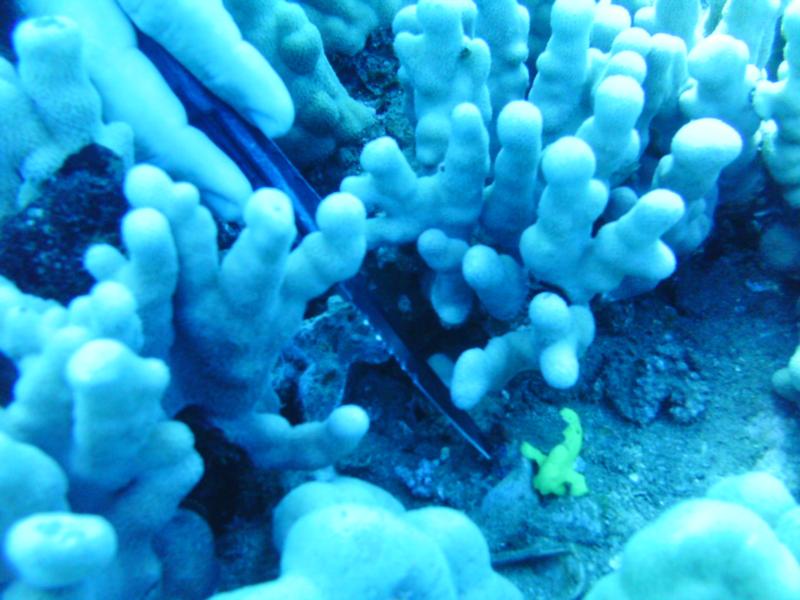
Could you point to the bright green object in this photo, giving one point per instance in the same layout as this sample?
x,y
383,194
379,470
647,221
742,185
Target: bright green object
x,y
557,474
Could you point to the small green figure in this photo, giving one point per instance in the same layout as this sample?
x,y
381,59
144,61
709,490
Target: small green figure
x,y
557,474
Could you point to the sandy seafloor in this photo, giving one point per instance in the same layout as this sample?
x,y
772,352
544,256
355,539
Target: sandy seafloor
x,y
704,345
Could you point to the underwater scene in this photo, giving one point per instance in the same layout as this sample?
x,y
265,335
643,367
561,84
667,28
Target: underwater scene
x,y
399,300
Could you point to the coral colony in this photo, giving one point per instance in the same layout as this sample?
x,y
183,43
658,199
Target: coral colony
x,y
559,152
